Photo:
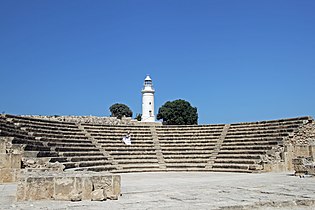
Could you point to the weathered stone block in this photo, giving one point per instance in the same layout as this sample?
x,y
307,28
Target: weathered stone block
x,y
98,195
64,188
116,188
16,160
84,184
68,186
8,175
5,160
39,188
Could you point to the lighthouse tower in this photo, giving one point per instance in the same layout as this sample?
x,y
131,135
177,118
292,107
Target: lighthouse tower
x,y
148,101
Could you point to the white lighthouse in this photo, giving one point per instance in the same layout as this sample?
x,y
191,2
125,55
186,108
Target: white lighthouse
x,y
148,101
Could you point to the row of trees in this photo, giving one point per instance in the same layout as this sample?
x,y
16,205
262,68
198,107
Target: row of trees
x,y
178,112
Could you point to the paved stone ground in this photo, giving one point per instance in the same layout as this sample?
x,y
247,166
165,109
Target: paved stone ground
x,y
192,191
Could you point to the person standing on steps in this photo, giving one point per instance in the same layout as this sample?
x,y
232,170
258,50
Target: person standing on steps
x,y
127,139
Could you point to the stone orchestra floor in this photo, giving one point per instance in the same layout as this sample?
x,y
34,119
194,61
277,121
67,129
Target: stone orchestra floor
x,y
191,190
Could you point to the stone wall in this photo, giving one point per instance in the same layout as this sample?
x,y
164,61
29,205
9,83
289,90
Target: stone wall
x,y
88,119
10,160
300,144
68,186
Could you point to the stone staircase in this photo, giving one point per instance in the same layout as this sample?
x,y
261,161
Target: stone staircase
x,y
246,143
63,142
188,148
141,156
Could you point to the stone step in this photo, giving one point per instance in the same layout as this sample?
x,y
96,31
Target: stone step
x,y
188,138
136,161
268,127
186,147
236,166
238,156
114,153
191,156
124,147
79,154
185,152
245,147
30,147
59,144
185,165
259,143
256,136
77,159
138,166
121,144
60,135
137,170
186,161
231,170
65,140
77,149
190,169
134,157
83,164
94,168
236,161
242,151
238,132
273,139
51,130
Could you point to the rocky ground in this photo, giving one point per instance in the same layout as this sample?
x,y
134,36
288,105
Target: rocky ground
x,y
192,191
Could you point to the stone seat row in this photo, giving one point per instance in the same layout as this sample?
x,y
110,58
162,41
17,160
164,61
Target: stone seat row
x,y
37,120
34,126
50,131
252,129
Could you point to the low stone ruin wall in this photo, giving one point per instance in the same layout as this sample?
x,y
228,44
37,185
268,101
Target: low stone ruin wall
x,y
304,166
10,160
300,145
68,186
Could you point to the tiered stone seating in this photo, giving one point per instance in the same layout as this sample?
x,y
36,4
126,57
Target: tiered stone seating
x,y
246,143
32,145
238,147
140,156
69,144
188,148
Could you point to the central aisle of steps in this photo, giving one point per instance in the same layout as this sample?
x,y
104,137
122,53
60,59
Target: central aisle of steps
x,y
140,156
188,148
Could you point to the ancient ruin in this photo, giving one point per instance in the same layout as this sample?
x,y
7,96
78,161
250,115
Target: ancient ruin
x,y
79,159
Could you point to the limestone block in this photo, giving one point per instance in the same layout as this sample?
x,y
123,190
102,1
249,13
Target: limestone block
x,y
84,184
2,145
39,188
68,186
16,160
98,195
8,175
116,188
5,161
64,188
21,189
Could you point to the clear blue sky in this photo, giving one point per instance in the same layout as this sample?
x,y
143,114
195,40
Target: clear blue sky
x,y
233,60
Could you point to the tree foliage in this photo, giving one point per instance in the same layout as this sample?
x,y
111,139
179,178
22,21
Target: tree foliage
x,y
178,112
120,110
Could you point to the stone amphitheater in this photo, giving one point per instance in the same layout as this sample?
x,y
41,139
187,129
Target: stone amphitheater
x,y
84,158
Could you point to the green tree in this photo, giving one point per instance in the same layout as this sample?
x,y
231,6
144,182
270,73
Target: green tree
x,y
178,112
120,110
